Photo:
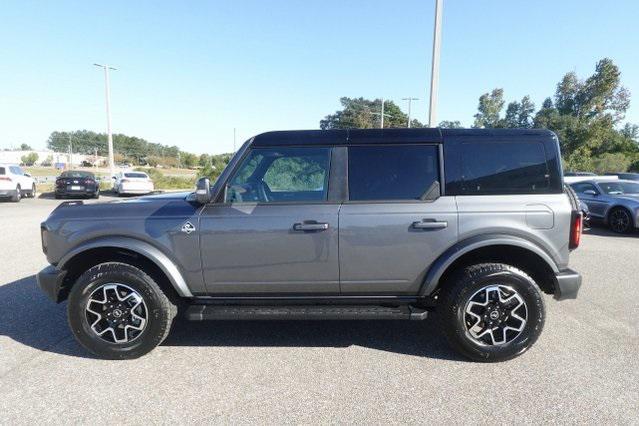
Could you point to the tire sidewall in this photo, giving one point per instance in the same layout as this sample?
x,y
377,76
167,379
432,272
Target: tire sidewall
x,y
534,324
157,314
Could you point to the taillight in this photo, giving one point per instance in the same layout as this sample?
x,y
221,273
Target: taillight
x,y
7,178
575,230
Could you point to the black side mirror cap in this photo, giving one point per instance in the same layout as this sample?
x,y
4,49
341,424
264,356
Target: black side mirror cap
x,y
203,190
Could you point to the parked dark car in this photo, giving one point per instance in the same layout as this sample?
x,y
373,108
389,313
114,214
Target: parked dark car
x,y
615,202
75,183
624,175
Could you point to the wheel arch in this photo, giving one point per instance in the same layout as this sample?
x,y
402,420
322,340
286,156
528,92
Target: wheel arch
x,y
510,250
123,249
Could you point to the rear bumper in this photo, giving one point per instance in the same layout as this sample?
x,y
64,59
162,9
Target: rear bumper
x,y
7,192
568,284
50,281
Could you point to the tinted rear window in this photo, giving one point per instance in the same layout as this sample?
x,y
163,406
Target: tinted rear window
x,y
135,175
77,174
398,172
503,168
2,171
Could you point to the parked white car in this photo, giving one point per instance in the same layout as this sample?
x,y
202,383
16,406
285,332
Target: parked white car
x,y
15,183
132,183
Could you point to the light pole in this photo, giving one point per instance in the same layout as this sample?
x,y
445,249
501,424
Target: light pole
x,y
108,112
434,74
410,100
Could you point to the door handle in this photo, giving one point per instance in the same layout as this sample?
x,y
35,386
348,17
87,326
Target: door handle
x,y
310,226
430,224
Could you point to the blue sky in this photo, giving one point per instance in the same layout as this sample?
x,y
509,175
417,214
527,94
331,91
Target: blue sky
x,y
191,71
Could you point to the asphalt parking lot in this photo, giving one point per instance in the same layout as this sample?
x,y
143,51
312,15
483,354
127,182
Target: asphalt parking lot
x,y
584,368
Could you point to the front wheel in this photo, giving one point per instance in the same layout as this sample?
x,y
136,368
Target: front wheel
x,y
491,312
117,311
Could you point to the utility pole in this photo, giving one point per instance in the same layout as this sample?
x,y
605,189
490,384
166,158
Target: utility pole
x,y
108,112
410,100
434,74
70,153
382,115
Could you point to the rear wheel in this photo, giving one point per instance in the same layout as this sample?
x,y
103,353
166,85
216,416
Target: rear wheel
x,y
491,312
620,220
33,192
117,311
18,195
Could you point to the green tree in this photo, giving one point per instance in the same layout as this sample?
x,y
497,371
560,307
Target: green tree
x,y
450,124
519,114
489,109
204,160
29,159
611,162
188,160
25,147
361,113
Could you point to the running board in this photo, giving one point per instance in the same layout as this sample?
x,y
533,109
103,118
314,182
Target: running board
x,y
303,312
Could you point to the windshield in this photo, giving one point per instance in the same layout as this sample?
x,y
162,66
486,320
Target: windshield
x,y
77,174
135,175
619,188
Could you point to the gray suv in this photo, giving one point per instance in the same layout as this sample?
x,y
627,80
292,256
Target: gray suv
x,y
469,226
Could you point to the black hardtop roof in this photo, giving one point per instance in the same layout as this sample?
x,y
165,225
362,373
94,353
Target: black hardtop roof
x,y
385,136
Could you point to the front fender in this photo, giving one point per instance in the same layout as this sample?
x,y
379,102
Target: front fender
x,y
145,249
442,263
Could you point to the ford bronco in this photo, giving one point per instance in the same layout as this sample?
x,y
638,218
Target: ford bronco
x,y
469,226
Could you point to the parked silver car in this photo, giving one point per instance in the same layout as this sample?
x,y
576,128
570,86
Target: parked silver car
x,y
616,202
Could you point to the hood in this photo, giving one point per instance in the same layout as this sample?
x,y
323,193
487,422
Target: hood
x,y
628,197
166,205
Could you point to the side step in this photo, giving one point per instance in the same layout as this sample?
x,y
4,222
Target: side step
x,y
304,312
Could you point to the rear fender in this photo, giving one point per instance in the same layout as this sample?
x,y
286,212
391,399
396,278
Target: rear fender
x,y
439,267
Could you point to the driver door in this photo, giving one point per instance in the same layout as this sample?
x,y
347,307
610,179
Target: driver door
x,y
275,231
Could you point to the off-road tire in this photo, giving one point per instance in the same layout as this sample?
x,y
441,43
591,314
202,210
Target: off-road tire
x,y
459,289
160,311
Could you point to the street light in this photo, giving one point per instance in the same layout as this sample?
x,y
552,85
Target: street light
x,y
108,112
434,75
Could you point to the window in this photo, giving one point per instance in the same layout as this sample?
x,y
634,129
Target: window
x,y
398,172
581,187
2,171
16,170
504,168
136,175
270,175
619,188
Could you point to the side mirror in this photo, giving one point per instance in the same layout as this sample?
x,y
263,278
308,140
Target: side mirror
x,y
203,190
590,192
27,175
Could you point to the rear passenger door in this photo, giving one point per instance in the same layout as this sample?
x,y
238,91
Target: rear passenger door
x,y
395,222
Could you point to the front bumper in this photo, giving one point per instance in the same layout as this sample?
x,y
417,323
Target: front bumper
x,y
50,281
568,284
